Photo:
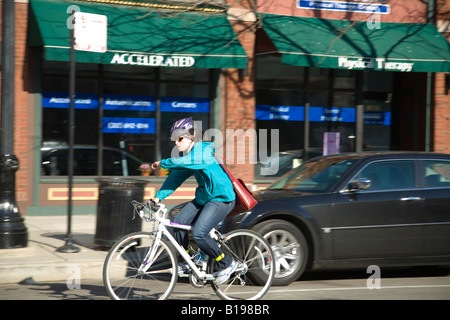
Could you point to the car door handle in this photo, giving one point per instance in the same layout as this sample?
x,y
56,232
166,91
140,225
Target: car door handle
x,y
410,198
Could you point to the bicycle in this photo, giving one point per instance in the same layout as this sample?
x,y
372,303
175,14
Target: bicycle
x,y
144,265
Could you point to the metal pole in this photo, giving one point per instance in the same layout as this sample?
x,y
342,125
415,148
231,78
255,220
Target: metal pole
x,y
7,132
359,139
158,118
69,247
306,134
13,233
429,93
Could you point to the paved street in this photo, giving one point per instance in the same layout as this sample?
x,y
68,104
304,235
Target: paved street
x,y
38,272
395,284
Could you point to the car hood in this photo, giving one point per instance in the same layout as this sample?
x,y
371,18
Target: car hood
x,y
269,200
270,194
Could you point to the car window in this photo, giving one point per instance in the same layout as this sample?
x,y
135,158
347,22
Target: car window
x,y
316,176
389,175
437,173
112,164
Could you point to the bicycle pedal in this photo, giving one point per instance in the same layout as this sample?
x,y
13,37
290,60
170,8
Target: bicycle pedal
x,y
241,281
183,274
209,277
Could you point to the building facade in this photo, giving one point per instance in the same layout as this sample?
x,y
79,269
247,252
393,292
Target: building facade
x,y
293,79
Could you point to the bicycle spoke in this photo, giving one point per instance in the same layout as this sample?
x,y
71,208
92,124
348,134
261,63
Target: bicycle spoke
x,y
250,247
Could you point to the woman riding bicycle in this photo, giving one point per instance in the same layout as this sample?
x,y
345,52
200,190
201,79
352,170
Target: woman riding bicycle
x,y
214,196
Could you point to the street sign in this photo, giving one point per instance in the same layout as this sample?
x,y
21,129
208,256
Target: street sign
x,y
90,32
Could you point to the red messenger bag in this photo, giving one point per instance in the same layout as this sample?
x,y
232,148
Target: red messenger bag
x,y
244,197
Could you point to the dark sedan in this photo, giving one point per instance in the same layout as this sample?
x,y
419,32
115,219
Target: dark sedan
x,y
355,210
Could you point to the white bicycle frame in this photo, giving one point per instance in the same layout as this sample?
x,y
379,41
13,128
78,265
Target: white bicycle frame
x,y
160,216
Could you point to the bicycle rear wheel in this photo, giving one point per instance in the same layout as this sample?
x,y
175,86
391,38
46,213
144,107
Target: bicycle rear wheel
x,y
256,266
122,278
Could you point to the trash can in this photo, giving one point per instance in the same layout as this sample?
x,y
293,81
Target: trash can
x,y
114,209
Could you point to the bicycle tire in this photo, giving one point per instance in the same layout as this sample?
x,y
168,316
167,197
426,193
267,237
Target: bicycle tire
x,y
254,276
120,270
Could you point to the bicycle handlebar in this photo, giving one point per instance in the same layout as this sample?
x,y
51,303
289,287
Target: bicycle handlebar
x,y
155,211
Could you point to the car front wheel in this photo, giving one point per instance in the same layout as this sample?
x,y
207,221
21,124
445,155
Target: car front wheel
x,y
290,249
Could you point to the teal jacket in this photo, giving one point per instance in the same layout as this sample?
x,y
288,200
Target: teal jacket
x,y
213,182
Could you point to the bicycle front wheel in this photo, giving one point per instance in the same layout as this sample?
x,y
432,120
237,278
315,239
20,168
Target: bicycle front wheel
x,y
123,276
256,266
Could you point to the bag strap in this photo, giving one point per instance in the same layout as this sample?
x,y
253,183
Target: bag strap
x,y
232,178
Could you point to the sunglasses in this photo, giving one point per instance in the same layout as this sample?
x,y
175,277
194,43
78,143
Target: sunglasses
x,y
180,138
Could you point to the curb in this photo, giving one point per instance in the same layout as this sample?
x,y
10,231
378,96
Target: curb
x,y
56,271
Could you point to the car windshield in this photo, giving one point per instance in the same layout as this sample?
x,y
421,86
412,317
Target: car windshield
x,y
315,176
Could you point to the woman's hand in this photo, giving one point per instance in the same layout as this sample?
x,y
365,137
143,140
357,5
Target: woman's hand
x,y
156,165
153,204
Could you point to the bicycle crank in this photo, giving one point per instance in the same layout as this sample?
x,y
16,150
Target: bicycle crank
x,y
196,283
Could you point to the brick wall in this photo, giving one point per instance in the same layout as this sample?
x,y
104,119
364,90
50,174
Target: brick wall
x,y
240,96
441,115
442,95
23,119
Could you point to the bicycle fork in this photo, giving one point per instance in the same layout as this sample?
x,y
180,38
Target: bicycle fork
x,y
151,255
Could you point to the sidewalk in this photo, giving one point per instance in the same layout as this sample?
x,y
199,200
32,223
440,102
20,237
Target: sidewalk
x,y
40,261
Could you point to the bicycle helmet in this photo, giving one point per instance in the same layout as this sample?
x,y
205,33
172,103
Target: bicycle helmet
x,y
183,127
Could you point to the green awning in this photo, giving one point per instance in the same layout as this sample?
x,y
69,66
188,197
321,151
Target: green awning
x,y
359,45
141,36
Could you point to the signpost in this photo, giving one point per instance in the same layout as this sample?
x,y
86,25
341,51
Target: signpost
x,y
90,32
87,33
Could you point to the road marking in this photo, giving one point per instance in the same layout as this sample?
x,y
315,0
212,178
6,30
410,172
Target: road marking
x,y
358,288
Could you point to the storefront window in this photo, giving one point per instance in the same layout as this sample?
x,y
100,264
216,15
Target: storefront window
x,y
344,79
377,101
280,99
331,96
116,110
55,113
128,121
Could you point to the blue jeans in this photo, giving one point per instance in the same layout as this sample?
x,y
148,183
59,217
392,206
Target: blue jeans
x,y
204,219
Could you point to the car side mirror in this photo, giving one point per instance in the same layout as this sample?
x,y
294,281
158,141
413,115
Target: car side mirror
x,y
359,184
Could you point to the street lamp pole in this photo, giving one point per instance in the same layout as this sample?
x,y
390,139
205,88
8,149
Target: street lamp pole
x,y
13,233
